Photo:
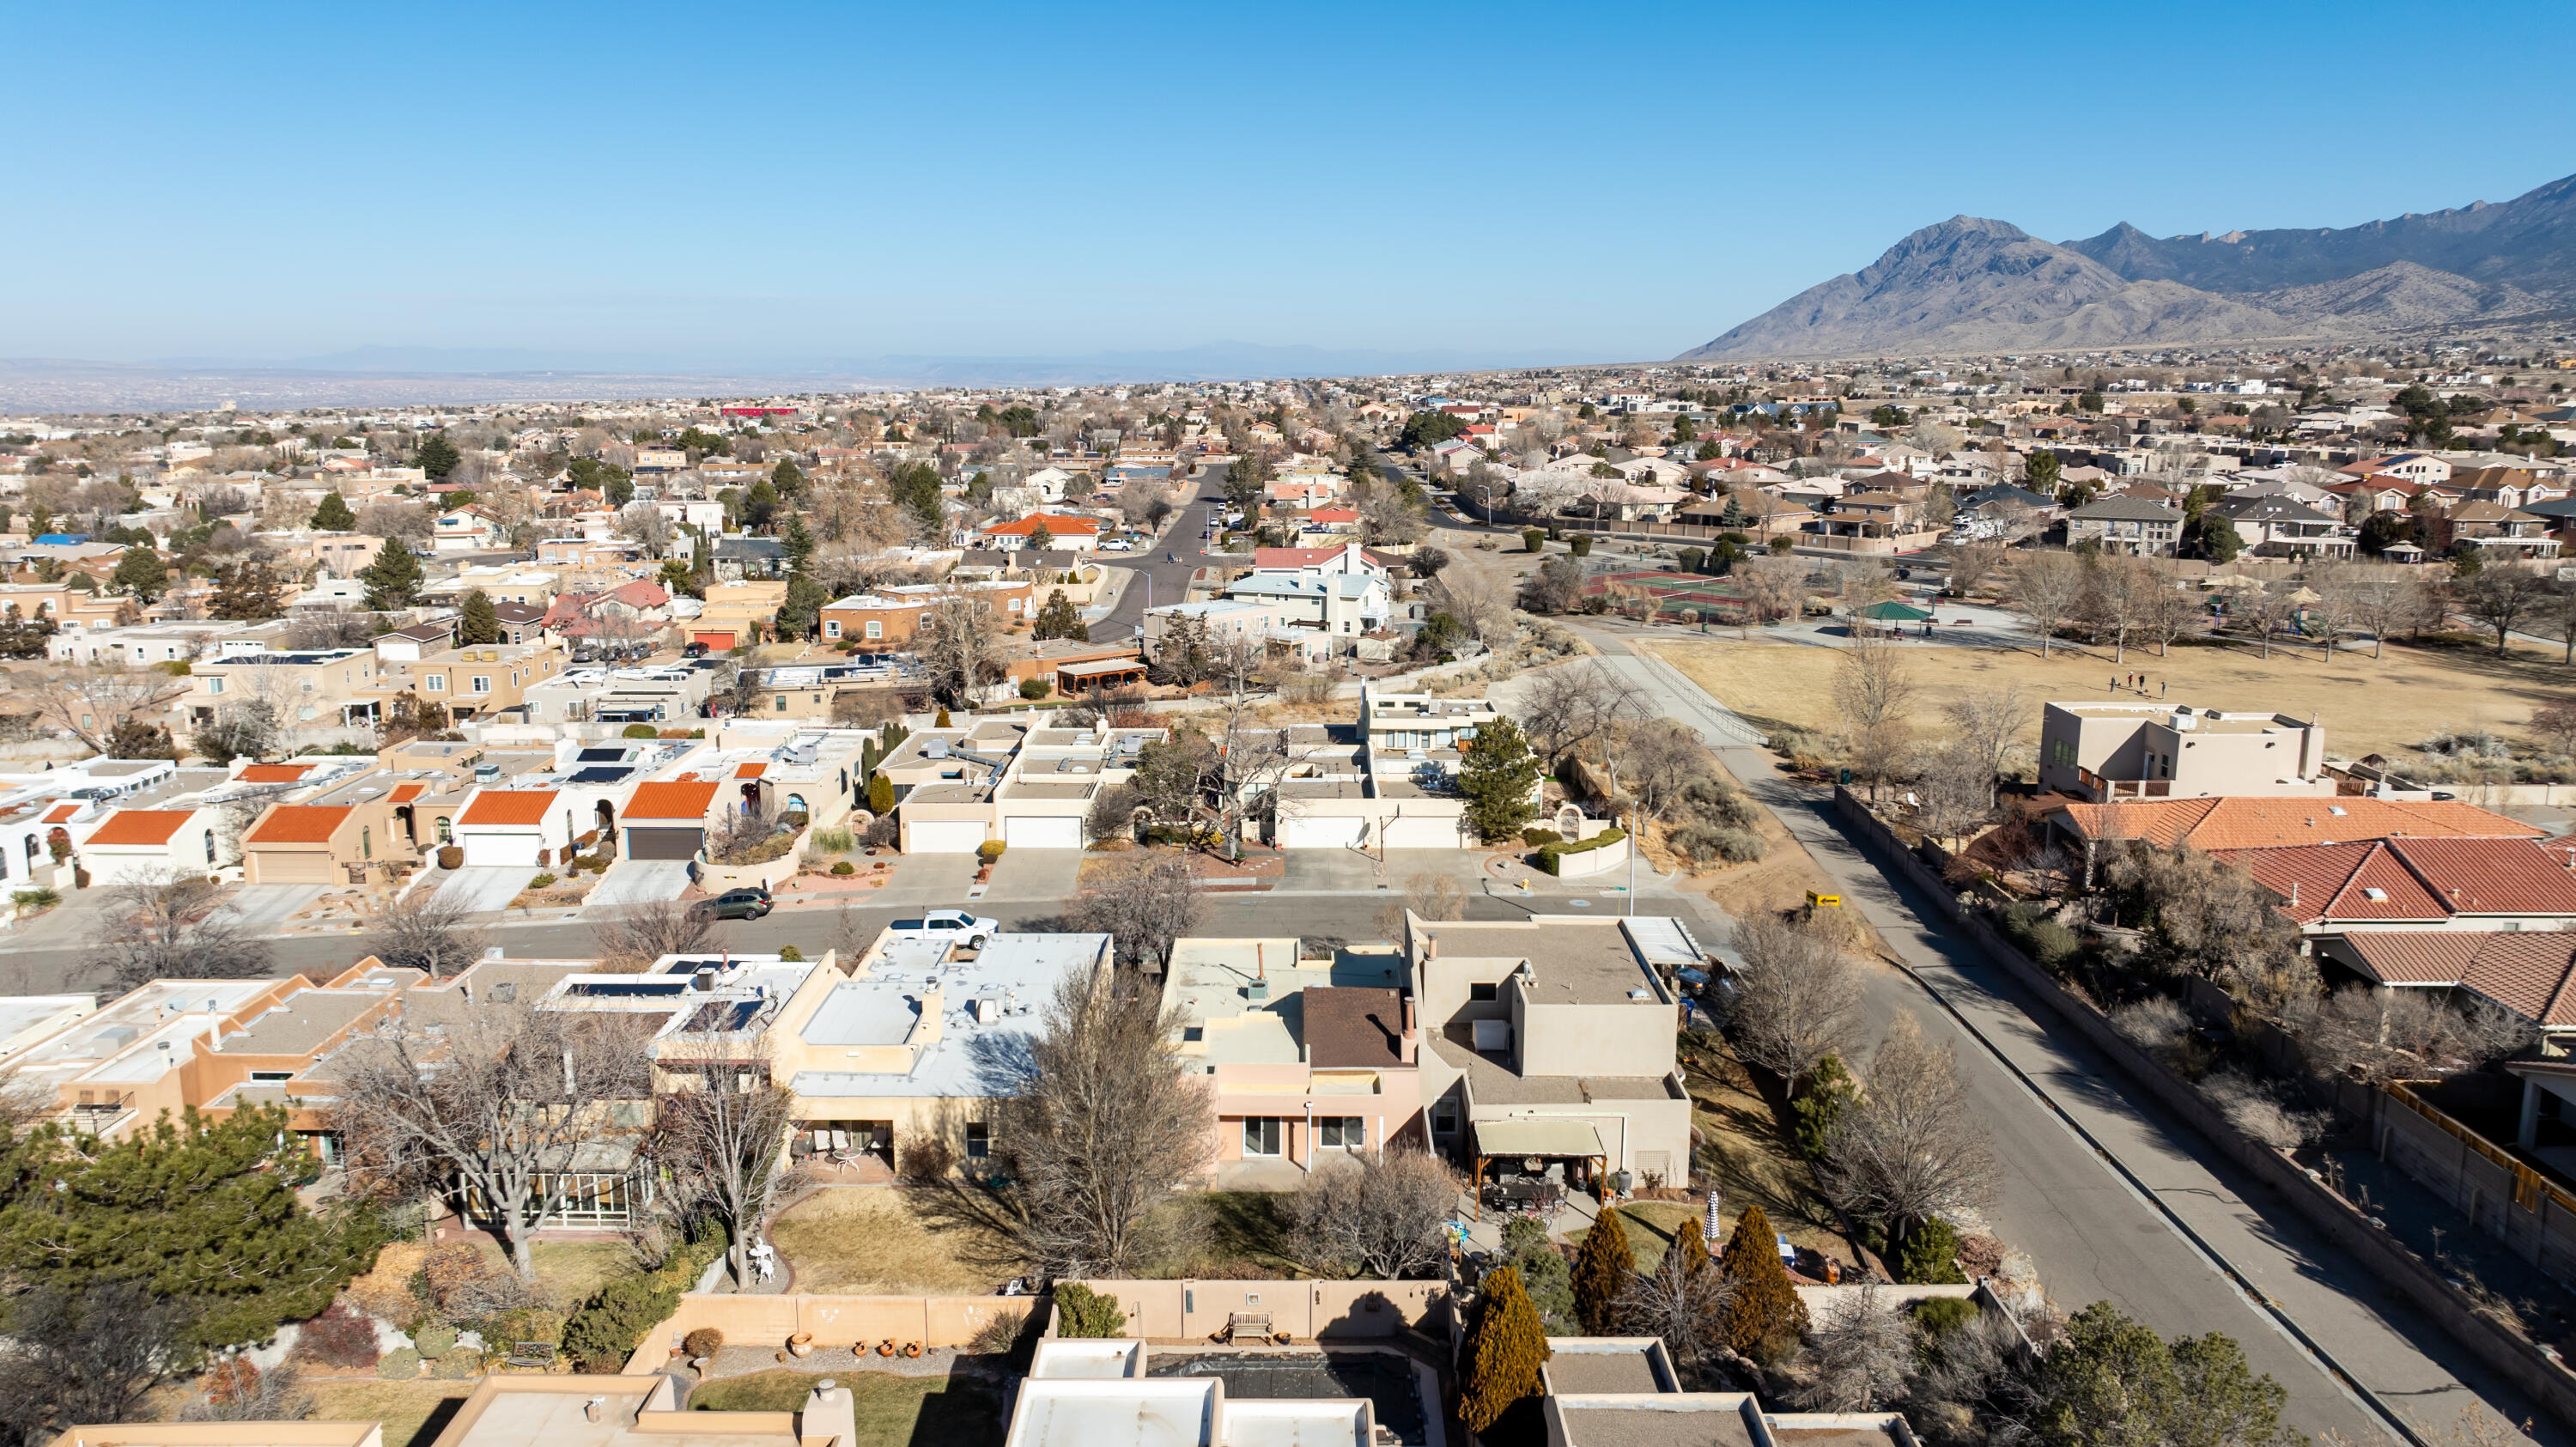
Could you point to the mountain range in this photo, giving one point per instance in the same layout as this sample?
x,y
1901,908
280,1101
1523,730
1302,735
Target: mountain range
x,y
1974,285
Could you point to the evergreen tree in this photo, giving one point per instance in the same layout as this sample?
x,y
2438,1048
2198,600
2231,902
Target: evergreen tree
x,y
760,505
437,458
1765,1307
142,572
393,579
1505,1349
1498,776
246,592
481,623
801,613
914,487
1694,1248
1060,619
2041,471
880,794
1602,1266
333,516
941,722
787,478
200,1213
132,738
21,638
1040,537
2110,1379
797,542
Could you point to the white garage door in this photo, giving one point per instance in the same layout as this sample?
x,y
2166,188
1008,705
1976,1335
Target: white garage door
x,y
1033,832
945,836
1432,833
1323,833
482,850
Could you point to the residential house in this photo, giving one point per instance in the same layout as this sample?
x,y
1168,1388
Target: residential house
x,y
1030,788
1068,530
889,619
2494,529
468,530
2130,526
313,689
736,613
480,681
148,846
2098,751
2283,527
2405,882
669,819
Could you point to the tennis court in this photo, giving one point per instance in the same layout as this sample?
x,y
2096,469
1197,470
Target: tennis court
x,y
1671,597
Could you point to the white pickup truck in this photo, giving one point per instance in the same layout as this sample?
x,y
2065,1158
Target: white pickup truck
x,y
952,924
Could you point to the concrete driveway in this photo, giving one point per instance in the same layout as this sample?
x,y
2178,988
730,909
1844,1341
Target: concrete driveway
x,y
264,907
485,889
1036,874
634,881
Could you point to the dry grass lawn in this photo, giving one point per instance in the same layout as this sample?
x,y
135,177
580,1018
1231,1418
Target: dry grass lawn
x,y
2367,705
893,1411
1746,1156
413,1412
867,1240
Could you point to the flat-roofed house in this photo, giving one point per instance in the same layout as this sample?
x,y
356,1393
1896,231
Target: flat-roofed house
x,y
2098,751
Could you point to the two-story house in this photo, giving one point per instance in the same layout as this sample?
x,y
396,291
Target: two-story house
x,y
2131,526
2099,751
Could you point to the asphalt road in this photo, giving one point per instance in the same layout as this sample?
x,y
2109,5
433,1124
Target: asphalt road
x,y
2092,1233
1170,581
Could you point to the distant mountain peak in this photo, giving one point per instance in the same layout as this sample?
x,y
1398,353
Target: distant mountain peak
x,y
1974,283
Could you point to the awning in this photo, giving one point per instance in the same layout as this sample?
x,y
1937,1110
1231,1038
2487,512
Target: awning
x,y
1894,613
1539,1137
1098,667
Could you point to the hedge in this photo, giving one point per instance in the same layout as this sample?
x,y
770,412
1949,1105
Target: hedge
x,y
1550,854
611,1325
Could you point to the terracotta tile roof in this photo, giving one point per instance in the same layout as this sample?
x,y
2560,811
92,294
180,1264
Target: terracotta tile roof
x,y
1353,1026
508,806
62,813
750,771
149,827
405,793
275,773
2414,957
2258,823
2530,972
2413,879
687,800
1062,527
2492,876
299,824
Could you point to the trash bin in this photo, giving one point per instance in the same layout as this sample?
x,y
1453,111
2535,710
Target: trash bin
x,y
1845,780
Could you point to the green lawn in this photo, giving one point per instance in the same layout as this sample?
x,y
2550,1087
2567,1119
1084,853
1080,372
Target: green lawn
x,y
893,1411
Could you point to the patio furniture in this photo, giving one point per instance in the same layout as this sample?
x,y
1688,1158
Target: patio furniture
x,y
539,1354
1243,1323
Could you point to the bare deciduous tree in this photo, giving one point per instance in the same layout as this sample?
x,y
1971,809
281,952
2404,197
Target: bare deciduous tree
x,y
1686,1308
2046,587
497,1104
88,701
424,932
1101,1122
169,925
2386,1034
723,1135
1874,694
1863,1353
961,647
2167,611
1797,1000
1990,725
1143,903
1379,1215
1478,599
2501,598
637,935
1912,1148
2115,598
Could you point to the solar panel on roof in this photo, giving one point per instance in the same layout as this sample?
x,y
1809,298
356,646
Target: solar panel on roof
x,y
601,756
600,776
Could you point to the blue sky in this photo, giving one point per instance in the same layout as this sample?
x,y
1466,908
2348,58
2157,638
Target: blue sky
x,y
779,186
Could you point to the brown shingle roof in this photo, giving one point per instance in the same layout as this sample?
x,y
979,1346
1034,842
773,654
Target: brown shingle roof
x,y
1353,1025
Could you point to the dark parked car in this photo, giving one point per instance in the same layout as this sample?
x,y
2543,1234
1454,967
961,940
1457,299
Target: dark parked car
x,y
735,904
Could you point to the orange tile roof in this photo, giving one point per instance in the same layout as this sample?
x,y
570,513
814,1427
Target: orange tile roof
x,y
508,806
2238,822
671,801
2417,879
2530,972
751,771
275,773
405,793
1059,526
151,827
62,813
299,824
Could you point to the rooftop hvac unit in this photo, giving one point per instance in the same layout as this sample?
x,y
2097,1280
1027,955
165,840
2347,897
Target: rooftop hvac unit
x,y
935,749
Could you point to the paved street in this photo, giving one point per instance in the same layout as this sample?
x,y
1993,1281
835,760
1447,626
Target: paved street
x,y
1169,581
2092,1234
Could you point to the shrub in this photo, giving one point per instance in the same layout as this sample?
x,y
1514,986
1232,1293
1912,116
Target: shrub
x,y
1034,689
1705,844
835,840
342,1336
1503,1354
451,857
791,954
706,1341
2152,1023
399,1365
435,1341
525,1323
1549,855
2047,942
999,1335
928,1159
1828,1092
641,731
542,881
35,899
1538,838
608,1328
1764,1312
1533,539
1080,1311
1938,1316
1581,547
845,867
1602,1266
1930,1256
989,850
941,722
462,1364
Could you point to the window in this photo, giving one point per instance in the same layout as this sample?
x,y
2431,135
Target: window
x,y
1349,1132
435,683
214,685
1444,1117
1484,992
210,846
366,843
446,831
831,627
979,1141
482,683
782,703
1261,1135
271,1076
875,629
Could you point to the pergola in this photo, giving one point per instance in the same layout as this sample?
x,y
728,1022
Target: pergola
x,y
1073,678
1533,1138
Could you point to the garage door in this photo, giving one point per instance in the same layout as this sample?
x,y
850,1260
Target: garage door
x,y
484,850
1432,833
944,836
1323,833
1042,833
664,843
279,867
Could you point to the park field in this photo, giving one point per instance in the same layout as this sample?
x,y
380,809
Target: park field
x,y
2368,705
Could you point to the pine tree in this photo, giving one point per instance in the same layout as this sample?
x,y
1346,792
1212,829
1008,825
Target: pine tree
x,y
1602,1266
1040,538
797,542
333,516
1498,775
393,579
880,794
1505,1349
142,572
787,478
481,623
1060,619
246,592
1765,1306
941,722
437,458
1694,1248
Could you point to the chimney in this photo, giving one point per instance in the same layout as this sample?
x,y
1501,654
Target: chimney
x,y
595,1409
1430,945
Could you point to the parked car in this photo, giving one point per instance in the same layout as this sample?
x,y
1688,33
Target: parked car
x,y
1117,545
952,924
735,904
